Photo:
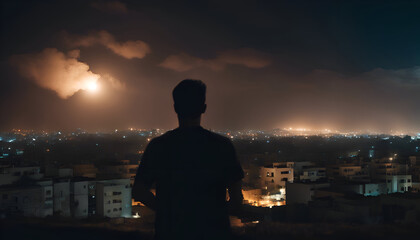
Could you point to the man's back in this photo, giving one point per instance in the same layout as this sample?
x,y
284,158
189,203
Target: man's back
x,y
191,168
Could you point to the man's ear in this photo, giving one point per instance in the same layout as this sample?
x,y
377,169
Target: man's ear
x,y
204,108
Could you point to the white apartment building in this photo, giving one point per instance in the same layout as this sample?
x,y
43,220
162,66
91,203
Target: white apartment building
x,y
113,198
398,183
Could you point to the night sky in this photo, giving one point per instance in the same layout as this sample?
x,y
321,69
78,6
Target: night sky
x,y
101,65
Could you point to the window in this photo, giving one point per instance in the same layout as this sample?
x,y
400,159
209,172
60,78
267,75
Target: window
x,y
402,189
402,181
116,201
272,174
285,172
116,193
408,180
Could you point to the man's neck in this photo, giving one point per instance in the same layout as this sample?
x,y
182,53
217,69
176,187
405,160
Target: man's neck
x,y
189,122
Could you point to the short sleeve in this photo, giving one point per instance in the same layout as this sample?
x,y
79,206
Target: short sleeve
x,y
234,170
146,170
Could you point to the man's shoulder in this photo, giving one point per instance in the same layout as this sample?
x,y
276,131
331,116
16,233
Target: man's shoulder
x,y
216,137
162,138
173,135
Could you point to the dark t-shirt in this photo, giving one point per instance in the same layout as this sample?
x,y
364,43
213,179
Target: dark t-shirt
x,y
191,168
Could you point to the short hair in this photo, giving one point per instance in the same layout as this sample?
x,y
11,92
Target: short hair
x,y
189,98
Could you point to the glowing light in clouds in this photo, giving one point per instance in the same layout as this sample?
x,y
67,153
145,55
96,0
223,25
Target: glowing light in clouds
x,y
92,85
62,73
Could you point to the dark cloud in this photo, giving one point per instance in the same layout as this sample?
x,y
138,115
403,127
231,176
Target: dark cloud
x,y
128,49
113,7
245,57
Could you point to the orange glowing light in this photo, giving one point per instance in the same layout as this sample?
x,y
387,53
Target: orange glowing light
x,y
92,86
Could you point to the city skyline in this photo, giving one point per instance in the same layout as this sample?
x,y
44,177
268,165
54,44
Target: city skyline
x,y
104,65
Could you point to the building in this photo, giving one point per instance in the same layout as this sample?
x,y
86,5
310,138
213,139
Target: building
x,y
79,198
398,183
62,197
381,168
28,201
113,198
274,177
11,175
349,172
298,167
312,174
119,170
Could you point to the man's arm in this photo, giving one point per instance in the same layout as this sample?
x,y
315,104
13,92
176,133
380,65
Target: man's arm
x,y
235,197
145,178
234,174
143,194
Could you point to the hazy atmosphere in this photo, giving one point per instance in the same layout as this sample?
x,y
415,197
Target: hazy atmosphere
x,y
101,65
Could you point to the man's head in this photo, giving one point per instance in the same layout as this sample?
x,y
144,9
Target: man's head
x,y
189,98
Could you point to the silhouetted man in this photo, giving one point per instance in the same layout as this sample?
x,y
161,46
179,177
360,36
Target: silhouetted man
x,y
192,168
